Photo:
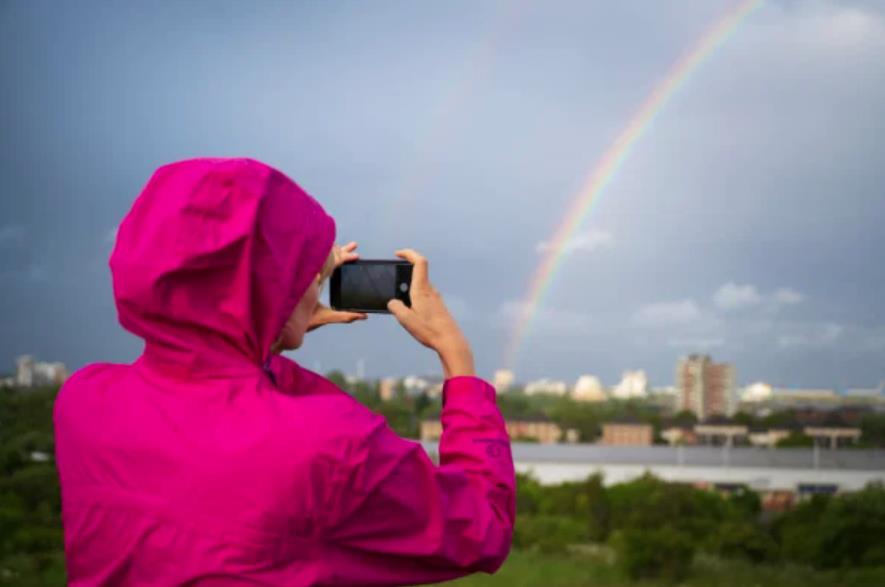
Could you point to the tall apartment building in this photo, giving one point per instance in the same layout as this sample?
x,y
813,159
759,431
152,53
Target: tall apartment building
x,y
705,388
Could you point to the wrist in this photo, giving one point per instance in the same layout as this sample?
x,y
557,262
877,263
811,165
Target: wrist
x,y
457,361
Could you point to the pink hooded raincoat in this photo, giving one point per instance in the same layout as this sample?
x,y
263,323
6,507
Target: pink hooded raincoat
x,y
210,461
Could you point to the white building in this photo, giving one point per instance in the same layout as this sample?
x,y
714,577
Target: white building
x,y
757,392
503,379
806,398
634,384
550,386
873,397
415,385
31,373
589,389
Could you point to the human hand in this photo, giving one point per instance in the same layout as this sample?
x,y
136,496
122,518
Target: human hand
x,y
323,314
429,321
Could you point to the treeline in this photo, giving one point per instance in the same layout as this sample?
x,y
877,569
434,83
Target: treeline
x,y
656,528
31,540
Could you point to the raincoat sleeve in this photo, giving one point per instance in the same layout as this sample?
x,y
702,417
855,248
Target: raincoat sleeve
x,y
401,519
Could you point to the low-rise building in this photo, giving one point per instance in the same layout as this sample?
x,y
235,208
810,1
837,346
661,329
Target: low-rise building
x,y
768,437
627,434
535,429
785,398
679,436
720,431
833,435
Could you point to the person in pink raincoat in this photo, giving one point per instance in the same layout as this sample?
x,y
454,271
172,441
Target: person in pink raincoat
x,y
213,460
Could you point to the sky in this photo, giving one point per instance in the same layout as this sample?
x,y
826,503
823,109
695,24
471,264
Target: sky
x,y
748,223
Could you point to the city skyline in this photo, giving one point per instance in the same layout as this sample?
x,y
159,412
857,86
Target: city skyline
x,y
633,384
746,223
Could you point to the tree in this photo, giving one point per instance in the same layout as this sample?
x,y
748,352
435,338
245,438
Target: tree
x,y
852,530
657,552
796,440
685,418
745,540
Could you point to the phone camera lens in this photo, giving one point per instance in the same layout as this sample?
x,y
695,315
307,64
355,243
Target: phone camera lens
x,y
404,287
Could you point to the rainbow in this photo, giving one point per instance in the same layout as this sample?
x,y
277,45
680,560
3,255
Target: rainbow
x,y
612,160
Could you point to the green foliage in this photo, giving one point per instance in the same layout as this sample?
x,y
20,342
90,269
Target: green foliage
x,y
31,540
796,440
852,530
745,502
836,532
400,416
685,418
872,427
338,378
584,417
796,531
592,568
745,540
547,533
654,552
648,502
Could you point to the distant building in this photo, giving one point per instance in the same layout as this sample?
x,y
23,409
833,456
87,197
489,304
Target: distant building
x,y
719,431
503,379
415,385
872,398
537,429
833,435
679,435
822,399
768,437
434,389
627,434
705,388
32,373
634,384
387,389
757,392
761,398
546,386
588,389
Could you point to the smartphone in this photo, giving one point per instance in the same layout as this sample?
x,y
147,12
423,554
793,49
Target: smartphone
x,y
366,285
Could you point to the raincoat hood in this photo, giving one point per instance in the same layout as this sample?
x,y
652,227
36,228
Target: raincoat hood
x,y
211,260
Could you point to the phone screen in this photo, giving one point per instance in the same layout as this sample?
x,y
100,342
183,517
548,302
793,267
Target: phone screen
x,y
369,285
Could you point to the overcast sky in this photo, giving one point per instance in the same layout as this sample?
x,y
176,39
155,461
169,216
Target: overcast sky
x,y
748,223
